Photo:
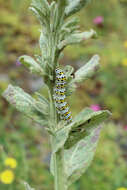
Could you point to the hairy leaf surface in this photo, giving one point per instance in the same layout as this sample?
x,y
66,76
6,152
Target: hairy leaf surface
x,y
79,128
26,104
87,70
76,38
30,63
79,157
74,6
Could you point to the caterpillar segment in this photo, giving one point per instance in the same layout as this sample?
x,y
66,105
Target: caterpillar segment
x,y
60,97
60,86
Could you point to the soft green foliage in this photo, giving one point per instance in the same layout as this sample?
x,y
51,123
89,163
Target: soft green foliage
x,y
87,70
103,172
31,64
81,156
75,38
35,109
79,138
20,38
110,45
74,6
30,146
18,27
81,127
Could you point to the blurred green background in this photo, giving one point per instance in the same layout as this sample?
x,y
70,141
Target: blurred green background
x,y
21,139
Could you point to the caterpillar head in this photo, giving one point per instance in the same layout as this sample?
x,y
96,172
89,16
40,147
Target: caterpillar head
x,y
59,71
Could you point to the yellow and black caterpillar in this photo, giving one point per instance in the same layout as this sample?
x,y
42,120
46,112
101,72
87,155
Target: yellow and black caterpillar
x,y
60,97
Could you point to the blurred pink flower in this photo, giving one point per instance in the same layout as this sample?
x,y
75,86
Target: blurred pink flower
x,y
95,107
125,127
18,63
98,20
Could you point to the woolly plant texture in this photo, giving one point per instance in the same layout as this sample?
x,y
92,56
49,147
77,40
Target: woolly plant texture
x,y
73,144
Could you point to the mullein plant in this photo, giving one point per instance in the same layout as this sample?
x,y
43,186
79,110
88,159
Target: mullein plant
x,y
73,143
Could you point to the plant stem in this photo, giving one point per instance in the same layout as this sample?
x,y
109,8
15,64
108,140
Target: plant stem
x,y
58,157
59,174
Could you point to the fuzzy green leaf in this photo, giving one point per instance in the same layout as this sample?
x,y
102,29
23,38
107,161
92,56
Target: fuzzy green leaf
x,y
43,100
42,104
83,137
30,63
82,74
41,9
40,16
41,5
26,104
87,70
76,38
79,157
58,141
60,137
53,16
75,6
83,128
43,47
69,27
80,127
61,8
71,23
83,123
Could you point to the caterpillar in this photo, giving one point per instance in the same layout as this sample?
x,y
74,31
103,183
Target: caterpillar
x,y
60,97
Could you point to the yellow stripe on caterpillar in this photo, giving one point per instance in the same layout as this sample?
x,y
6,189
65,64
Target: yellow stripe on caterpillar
x,y
60,97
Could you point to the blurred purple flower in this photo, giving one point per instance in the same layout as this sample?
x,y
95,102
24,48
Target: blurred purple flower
x,y
18,63
95,107
125,127
98,20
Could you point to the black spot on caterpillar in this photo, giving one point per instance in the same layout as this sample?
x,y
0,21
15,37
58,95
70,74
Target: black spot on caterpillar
x,y
60,97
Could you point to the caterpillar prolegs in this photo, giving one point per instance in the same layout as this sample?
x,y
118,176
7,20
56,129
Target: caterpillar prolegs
x,y
60,97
